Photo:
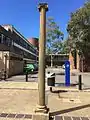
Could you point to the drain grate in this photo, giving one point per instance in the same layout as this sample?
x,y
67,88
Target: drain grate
x,y
58,118
19,116
67,118
70,118
84,118
76,118
3,114
9,115
29,116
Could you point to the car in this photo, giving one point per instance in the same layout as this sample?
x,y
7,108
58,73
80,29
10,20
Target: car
x,y
30,67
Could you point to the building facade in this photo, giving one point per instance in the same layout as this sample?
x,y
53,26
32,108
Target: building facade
x,y
15,51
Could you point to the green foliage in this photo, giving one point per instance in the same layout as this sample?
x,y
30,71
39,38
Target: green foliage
x,y
65,48
79,30
54,37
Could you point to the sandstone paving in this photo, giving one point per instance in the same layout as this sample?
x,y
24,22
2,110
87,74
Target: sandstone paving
x,y
71,104
16,101
24,101
19,85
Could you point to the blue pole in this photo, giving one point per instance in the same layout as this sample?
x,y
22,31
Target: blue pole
x,y
67,73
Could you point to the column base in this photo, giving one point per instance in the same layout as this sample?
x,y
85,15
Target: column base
x,y
41,109
41,116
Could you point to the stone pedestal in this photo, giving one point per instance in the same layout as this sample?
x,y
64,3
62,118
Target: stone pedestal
x,y
41,109
40,116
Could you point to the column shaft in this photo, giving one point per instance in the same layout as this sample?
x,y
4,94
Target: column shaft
x,y
42,41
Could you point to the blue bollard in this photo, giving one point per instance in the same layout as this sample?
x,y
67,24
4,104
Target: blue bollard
x,y
67,73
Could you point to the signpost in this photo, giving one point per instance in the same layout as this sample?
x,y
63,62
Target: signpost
x,y
67,73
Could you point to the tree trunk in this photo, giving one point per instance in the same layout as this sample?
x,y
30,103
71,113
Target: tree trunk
x,y
51,60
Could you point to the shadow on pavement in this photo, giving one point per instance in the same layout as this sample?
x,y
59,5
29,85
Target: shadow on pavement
x,y
31,73
32,77
87,88
63,84
59,91
61,73
7,80
69,110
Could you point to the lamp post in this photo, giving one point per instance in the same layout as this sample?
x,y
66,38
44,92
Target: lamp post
x,y
43,7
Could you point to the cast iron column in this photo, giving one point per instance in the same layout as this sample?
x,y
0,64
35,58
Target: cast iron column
x,y
43,7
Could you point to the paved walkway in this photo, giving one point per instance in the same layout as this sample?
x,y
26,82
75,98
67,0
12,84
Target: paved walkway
x,y
18,85
21,98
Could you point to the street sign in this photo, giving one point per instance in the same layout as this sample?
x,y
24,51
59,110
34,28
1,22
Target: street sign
x,y
67,73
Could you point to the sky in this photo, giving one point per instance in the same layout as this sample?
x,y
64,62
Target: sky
x,y
24,14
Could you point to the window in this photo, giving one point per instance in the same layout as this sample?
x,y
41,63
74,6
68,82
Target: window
x,y
4,39
8,41
12,42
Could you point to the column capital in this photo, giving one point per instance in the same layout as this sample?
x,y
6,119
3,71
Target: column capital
x,y
43,5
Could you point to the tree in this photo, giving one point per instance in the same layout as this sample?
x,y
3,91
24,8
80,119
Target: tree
x,y
79,30
65,47
54,37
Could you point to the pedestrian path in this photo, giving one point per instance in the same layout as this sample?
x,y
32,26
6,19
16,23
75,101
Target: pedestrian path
x,y
18,98
19,85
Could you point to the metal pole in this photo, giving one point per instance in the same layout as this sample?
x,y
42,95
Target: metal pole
x,y
5,70
26,76
42,40
80,82
50,89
